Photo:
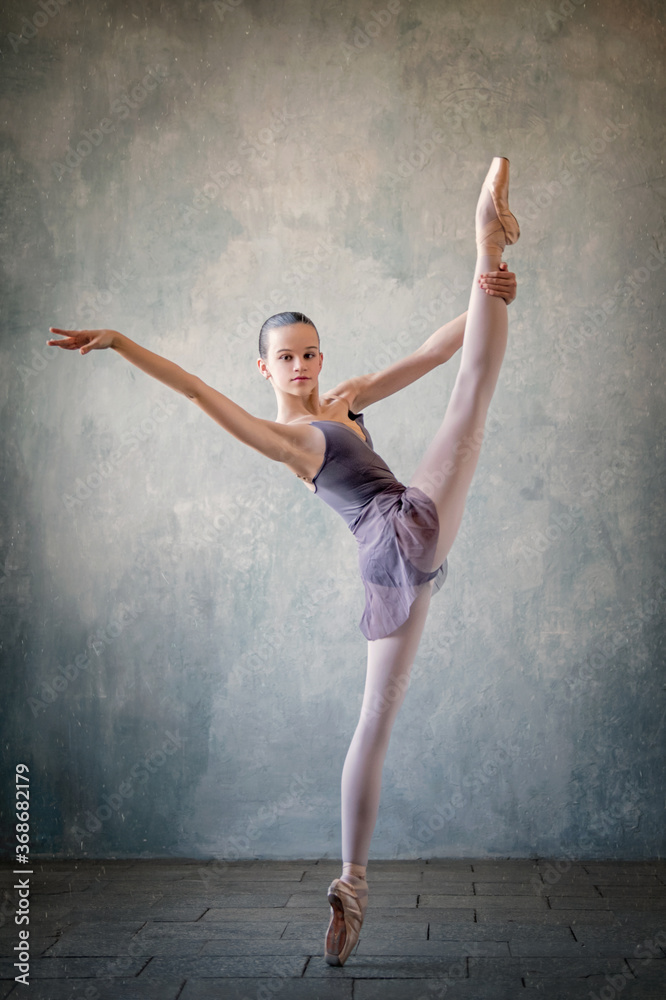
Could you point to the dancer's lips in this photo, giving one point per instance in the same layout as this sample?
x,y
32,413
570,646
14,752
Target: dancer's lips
x,y
300,378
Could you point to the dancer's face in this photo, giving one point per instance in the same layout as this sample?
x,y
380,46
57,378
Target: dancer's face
x,y
294,359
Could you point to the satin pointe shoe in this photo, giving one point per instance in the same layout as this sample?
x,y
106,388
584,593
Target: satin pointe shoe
x,y
493,234
346,920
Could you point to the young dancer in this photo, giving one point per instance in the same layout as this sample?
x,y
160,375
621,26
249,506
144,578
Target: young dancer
x,y
403,533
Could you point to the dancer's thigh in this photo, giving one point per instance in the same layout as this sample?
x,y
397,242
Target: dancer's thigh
x,y
446,471
390,663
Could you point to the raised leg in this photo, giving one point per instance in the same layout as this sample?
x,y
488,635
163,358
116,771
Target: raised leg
x,y
446,470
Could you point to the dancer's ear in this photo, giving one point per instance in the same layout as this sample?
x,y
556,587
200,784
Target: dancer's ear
x,y
261,364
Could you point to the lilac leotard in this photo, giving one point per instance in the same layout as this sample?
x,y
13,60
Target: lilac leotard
x,y
396,526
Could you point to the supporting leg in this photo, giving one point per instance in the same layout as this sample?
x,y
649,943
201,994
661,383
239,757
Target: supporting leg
x,y
389,667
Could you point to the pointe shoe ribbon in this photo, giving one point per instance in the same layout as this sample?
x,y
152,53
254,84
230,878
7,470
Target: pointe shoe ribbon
x,y
346,920
495,234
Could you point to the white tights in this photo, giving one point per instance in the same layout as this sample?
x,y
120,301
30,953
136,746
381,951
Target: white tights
x,y
390,660
389,667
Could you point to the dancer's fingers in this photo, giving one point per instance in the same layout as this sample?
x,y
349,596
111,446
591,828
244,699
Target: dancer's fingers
x,y
499,283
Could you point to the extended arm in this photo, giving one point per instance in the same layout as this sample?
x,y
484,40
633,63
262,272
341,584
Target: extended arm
x,y
277,441
363,390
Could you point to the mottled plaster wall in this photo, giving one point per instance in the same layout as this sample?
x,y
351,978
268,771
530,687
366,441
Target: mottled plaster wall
x,y
183,668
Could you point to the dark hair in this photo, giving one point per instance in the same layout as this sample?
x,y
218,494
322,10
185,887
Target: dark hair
x,y
281,319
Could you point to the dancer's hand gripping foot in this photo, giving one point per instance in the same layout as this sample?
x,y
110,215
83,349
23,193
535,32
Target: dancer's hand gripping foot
x,y
349,901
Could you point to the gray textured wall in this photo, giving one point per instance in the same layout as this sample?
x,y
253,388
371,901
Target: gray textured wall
x,y
183,665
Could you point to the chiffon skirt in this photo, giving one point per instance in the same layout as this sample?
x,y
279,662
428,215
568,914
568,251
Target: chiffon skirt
x,y
397,536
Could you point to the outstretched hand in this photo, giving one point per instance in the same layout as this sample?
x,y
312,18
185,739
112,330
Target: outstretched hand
x,y
501,283
83,340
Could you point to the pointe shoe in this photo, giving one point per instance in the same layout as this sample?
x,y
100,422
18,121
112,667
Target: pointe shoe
x,y
346,920
492,237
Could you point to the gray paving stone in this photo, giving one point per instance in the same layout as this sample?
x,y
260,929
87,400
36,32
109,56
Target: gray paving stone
x,y
90,939
278,914
239,883
646,937
637,879
153,934
445,930
631,892
250,945
653,970
545,916
577,888
433,989
434,900
579,903
508,889
438,948
120,989
111,966
546,947
248,966
590,988
544,967
38,944
251,989
390,967
239,900
503,920
404,917
502,871
382,898
445,887
431,878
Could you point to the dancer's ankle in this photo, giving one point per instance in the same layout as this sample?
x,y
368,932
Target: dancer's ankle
x,y
355,871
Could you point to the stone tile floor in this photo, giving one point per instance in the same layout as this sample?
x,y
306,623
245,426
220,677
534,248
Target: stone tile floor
x,y
254,930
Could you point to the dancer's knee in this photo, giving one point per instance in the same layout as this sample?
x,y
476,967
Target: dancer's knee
x,y
382,705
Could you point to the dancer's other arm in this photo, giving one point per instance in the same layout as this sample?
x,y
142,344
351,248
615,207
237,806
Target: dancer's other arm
x,y
280,442
363,390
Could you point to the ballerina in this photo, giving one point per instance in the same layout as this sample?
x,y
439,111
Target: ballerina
x,y
403,533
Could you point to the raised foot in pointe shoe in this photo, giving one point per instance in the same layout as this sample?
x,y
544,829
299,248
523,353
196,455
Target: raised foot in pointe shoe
x,y
346,919
494,230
